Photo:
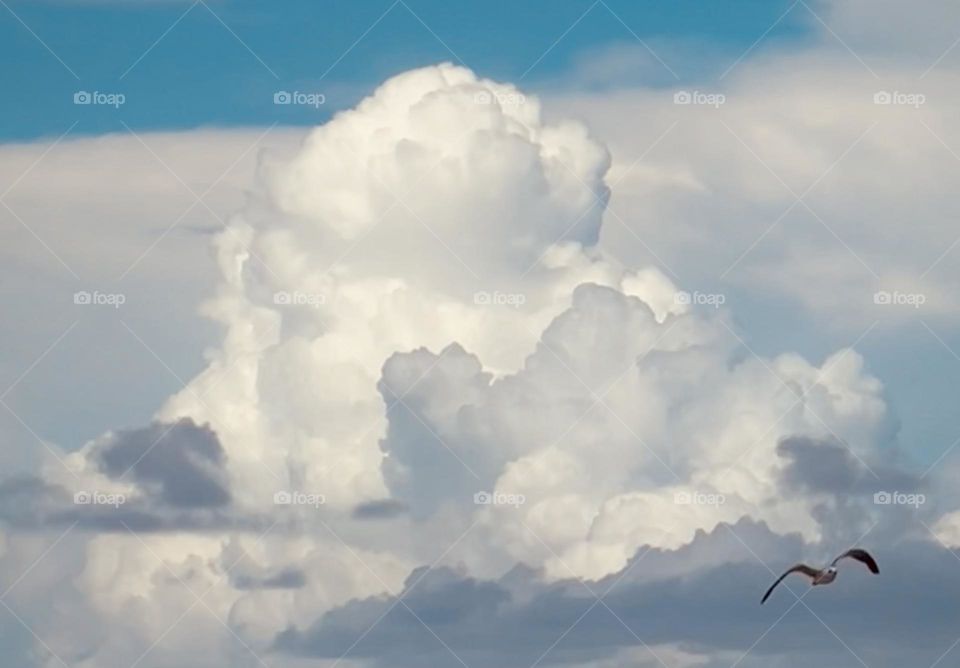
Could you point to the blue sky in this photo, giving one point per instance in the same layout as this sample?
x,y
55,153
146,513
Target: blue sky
x,y
221,62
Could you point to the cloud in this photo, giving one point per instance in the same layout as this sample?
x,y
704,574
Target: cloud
x,y
892,32
181,463
619,430
292,393
715,608
729,220
855,497
382,509
289,578
164,477
828,466
428,316
103,183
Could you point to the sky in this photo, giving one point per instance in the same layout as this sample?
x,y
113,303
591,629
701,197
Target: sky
x,y
183,64
413,333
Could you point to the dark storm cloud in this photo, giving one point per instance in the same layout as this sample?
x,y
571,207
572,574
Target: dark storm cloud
x,y
181,462
178,475
905,615
825,465
382,509
848,489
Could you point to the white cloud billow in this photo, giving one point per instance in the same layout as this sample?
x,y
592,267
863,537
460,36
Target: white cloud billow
x,y
486,194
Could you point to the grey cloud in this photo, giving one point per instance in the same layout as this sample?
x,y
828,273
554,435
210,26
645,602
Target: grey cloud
x,y
288,578
517,620
845,486
381,509
825,465
432,402
180,484
29,503
819,466
452,426
181,462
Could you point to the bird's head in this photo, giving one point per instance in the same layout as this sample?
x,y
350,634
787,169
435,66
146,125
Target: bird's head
x,y
832,569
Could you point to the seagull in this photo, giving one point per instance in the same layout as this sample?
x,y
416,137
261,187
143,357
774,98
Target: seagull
x,y
826,575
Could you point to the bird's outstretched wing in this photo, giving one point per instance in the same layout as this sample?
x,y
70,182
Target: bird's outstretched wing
x,y
799,568
861,556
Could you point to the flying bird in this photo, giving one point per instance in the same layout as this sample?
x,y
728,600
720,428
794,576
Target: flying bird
x,y
825,575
